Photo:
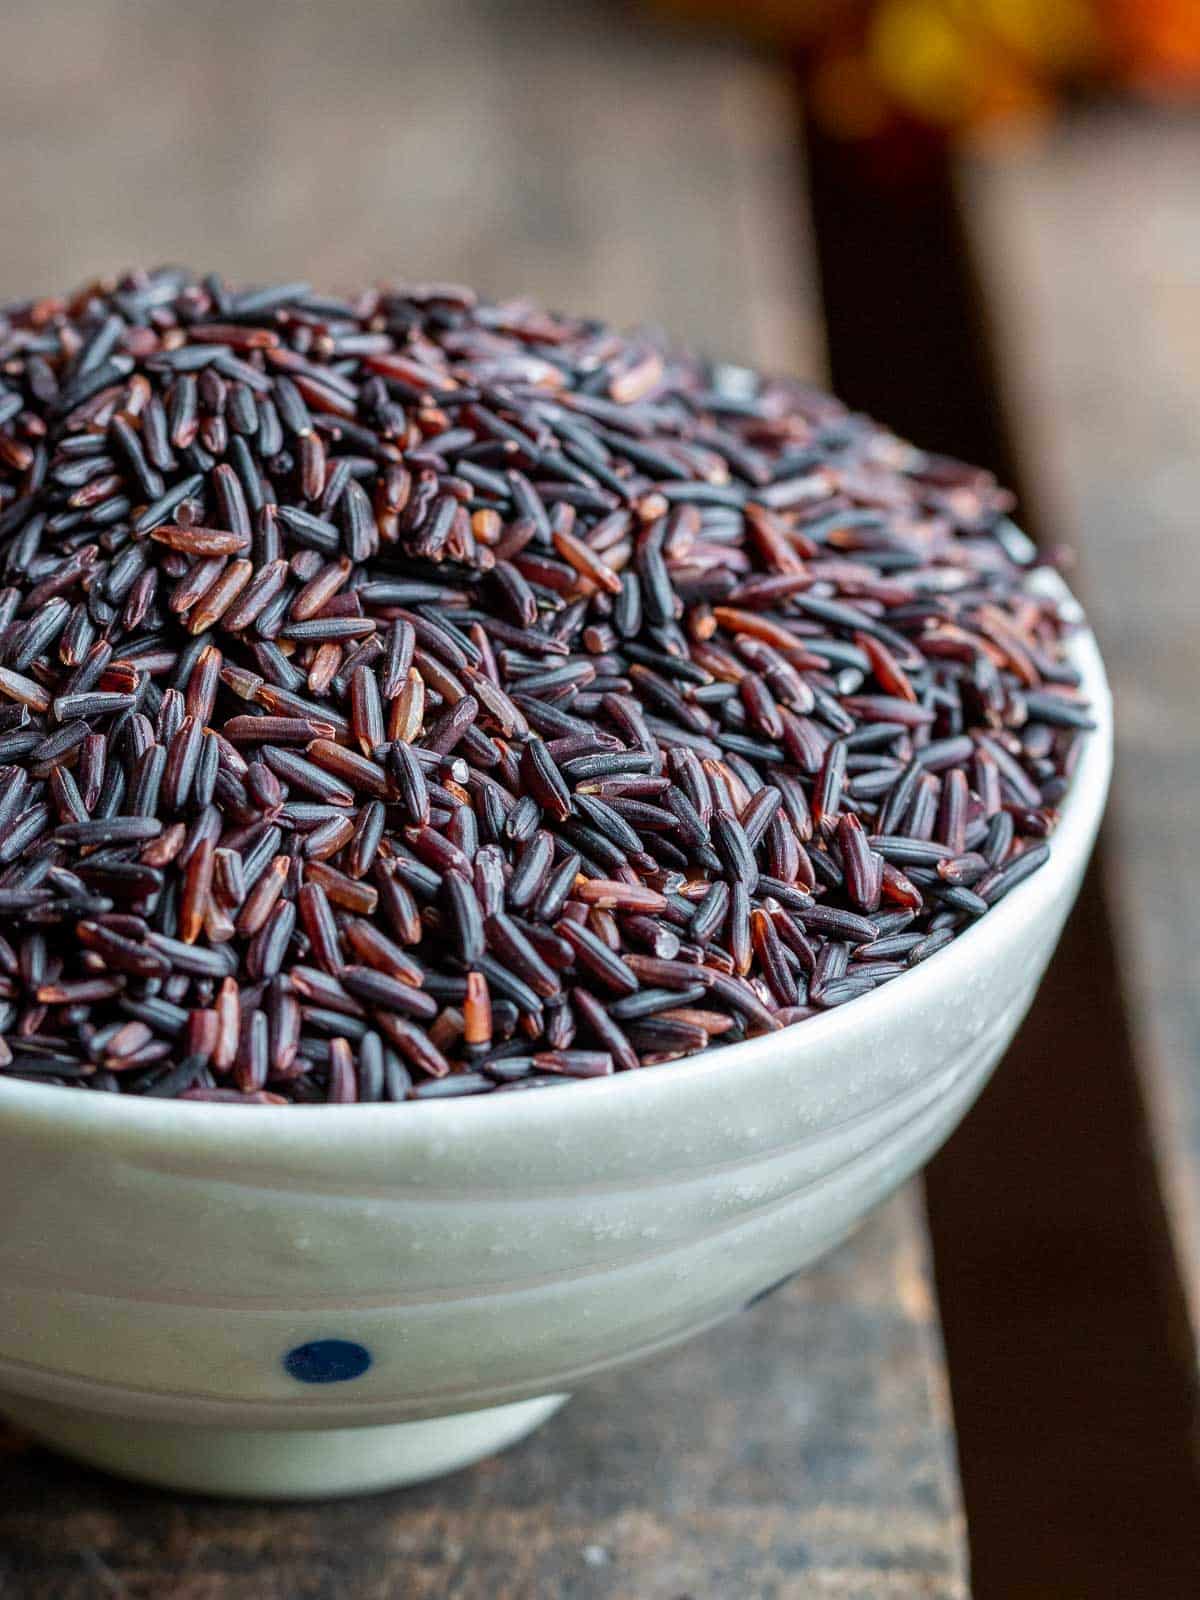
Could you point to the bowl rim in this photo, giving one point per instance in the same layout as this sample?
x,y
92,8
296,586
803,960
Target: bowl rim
x,y
235,1128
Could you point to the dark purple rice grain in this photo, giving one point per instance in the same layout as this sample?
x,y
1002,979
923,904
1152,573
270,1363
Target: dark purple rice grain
x,y
837,994
509,944
531,872
466,917
998,883
829,967
929,945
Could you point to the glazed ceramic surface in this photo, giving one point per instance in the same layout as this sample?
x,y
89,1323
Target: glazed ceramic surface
x,y
311,1300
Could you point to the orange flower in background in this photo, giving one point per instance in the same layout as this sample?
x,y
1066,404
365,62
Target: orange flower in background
x,y
875,67
1159,41
958,62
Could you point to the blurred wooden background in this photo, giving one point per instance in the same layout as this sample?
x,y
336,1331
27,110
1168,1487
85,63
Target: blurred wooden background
x,y
1037,309
573,154
562,151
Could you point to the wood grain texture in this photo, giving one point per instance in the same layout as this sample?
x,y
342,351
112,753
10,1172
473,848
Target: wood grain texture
x,y
563,151
804,1450
1090,251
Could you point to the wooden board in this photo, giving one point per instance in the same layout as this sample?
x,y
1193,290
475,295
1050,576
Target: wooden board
x,y
1090,253
805,1449
802,1450
563,152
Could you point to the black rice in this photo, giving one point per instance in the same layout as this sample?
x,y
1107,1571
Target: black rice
x,y
418,697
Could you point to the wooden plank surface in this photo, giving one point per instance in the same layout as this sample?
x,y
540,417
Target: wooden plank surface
x,y
1090,250
520,146
805,1449
800,1451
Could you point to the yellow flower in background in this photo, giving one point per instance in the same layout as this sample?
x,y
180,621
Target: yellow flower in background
x,y
956,63
921,58
876,66
1060,35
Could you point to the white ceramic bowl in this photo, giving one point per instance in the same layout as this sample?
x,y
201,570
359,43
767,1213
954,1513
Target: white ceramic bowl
x,y
311,1301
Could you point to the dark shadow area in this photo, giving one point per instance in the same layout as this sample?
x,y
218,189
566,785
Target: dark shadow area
x,y
1074,1406
900,306
1075,1417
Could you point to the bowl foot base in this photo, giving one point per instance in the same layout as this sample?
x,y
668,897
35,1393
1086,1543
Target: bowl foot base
x,y
280,1464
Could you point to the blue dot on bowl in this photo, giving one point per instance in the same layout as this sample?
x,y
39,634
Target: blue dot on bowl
x,y
327,1361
